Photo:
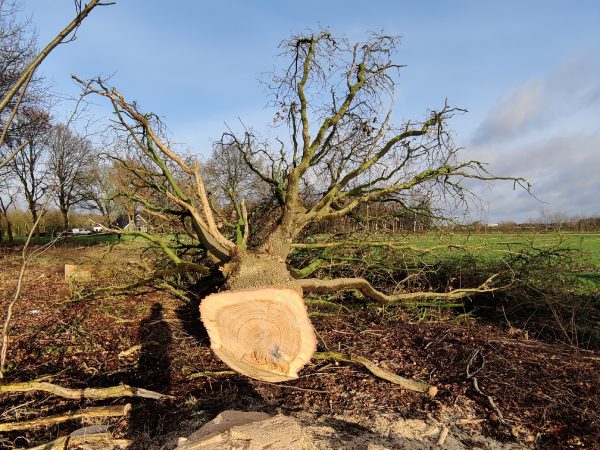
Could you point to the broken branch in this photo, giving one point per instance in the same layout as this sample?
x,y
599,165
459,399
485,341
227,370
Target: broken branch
x,y
122,390
406,383
318,286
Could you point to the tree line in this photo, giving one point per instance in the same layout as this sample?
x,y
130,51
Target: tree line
x,y
43,163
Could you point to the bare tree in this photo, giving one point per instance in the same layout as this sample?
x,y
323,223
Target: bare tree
x,y
232,186
19,61
70,158
30,164
17,49
8,198
341,151
102,190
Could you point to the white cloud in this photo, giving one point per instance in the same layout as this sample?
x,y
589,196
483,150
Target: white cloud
x,y
558,99
514,113
546,131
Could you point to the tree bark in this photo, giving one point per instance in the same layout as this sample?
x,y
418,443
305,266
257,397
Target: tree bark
x,y
121,390
65,216
87,413
9,231
34,217
255,270
319,286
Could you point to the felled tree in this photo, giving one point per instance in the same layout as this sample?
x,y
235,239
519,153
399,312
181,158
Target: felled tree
x,y
341,151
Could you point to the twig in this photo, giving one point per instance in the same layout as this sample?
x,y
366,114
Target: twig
x,y
471,376
122,390
295,388
130,351
406,383
87,413
443,435
209,374
469,421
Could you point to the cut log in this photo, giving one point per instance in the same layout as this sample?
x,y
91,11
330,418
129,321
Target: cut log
x,y
248,430
264,334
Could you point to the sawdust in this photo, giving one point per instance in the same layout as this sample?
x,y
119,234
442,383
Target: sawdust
x,y
451,431
389,432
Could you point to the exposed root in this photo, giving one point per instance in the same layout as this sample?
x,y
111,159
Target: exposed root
x,y
406,383
87,413
318,286
121,390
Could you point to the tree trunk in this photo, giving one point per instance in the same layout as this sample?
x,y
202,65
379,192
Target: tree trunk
x,y
34,217
259,326
261,333
9,231
65,216
255,270
107,220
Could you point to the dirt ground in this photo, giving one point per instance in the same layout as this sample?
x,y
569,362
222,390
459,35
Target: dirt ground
x,y
548,393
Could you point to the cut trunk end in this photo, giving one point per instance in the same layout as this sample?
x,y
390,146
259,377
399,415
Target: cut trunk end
x,y
264,334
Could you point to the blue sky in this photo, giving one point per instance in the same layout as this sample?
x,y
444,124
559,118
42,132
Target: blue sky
x,y
528,72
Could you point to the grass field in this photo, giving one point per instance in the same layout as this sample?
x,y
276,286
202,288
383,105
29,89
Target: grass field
x,y
581,250
494,244
485,247
90,239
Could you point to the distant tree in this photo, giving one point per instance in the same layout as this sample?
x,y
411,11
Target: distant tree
x,y
17,49
8,196
101,191
70,163
30,164
231,185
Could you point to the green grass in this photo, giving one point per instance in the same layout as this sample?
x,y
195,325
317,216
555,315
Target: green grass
x,y
493,245
90,239
492,248
585,246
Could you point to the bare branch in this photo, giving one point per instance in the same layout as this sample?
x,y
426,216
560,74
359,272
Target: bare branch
x,y
60,37
315,285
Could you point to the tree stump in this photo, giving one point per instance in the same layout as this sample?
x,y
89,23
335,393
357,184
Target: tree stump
x,y
247,430
78,272
264,334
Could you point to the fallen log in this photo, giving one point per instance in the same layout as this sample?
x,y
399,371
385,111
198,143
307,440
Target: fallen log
x,y
264,334
87,413
121,390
